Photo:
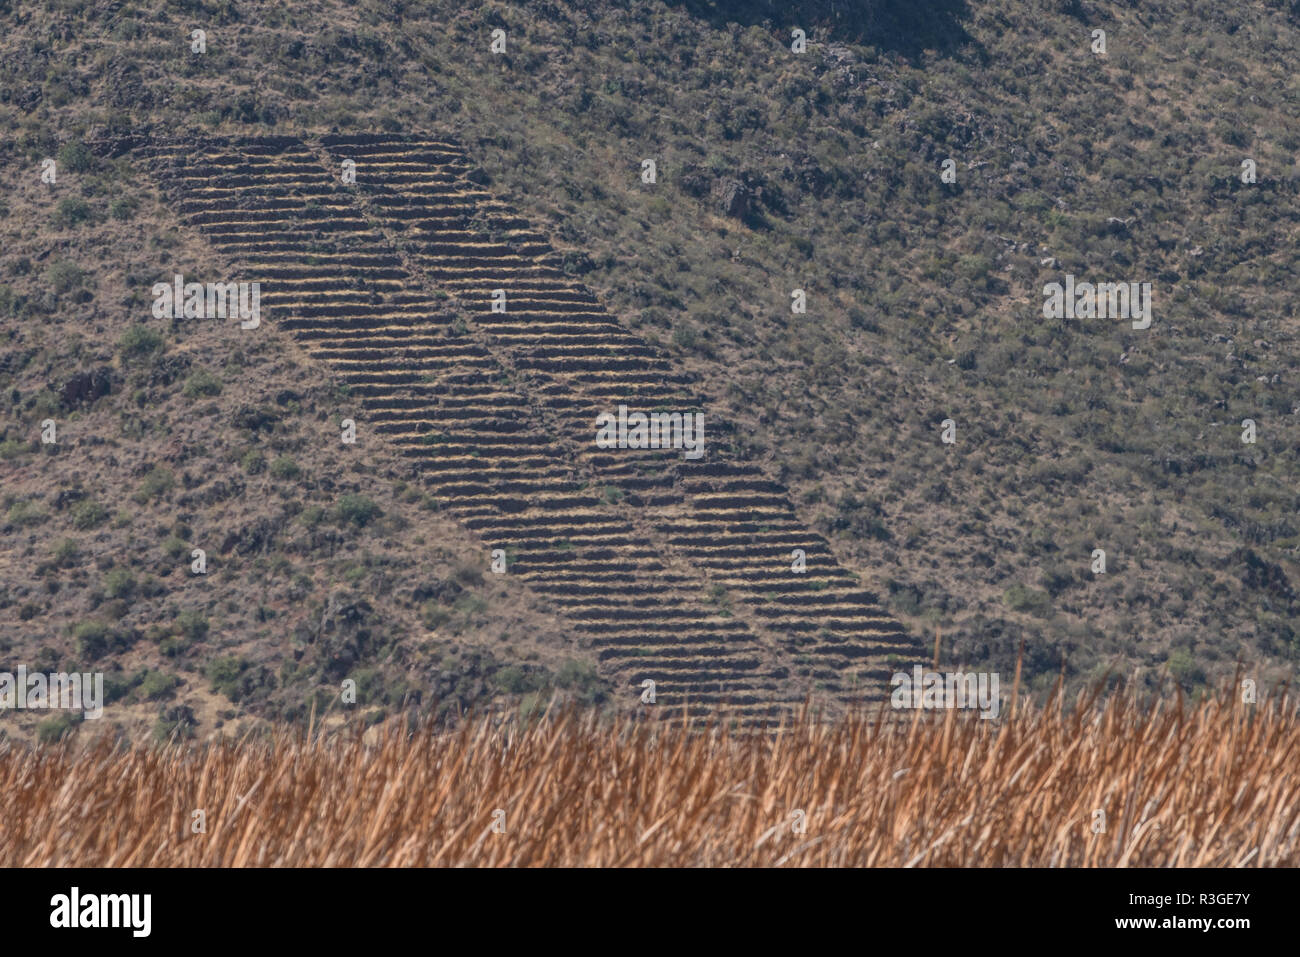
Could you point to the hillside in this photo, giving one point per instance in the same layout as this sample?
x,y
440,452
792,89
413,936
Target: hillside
x,y
775,171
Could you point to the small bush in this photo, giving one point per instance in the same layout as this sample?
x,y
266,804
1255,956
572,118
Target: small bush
x,y
94,639
470,605
201,383
71,211
1184,668
122,208
514,680
434,615
12,448
192,624
684,336
253,462
139,341
25,513
357,510
157,483
176,549
66,552
285,469
1030,600
88,514
75,157
157,685
119,583
312,516
63,277
225,675
175,723
581,678
54,729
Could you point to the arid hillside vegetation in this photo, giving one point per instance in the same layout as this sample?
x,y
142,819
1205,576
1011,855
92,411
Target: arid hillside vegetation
x,y
1169,159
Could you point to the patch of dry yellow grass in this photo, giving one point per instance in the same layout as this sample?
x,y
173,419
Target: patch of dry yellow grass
x,y
1217,783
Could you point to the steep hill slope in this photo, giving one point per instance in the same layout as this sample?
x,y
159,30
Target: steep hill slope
x,y
776,171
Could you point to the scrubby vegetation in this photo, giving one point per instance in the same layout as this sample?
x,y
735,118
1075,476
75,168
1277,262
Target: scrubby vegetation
x,y
776,171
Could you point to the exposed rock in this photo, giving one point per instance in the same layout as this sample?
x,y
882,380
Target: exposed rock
x,y
254,419
257,537
84,388
694,181
737,199
167,368
442,591
1263,575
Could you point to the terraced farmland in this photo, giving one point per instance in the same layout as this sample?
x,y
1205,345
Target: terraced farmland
x,y
673,570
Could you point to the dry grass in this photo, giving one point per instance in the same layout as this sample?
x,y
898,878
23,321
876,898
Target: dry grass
x,y
1217,783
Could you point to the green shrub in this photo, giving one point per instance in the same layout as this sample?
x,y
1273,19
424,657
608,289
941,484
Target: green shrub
x,y
158,684
253,462
63,277
1030,600
139,341
1184,668
200,383
285,468
174,724
12,448
66,552
71,211
470,605
172,645
1057,580
122,208
75,157
157,483
192,624
581,678
434,615
515,680
117,685
175,548
226,674
54,729
357,510
684,336
312,516
119,583
88,514
94,639
25,513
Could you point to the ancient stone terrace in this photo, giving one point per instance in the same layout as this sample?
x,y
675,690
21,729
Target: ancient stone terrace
x,y
671,569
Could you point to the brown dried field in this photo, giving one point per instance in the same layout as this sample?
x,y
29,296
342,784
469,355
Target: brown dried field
x,y
1180,784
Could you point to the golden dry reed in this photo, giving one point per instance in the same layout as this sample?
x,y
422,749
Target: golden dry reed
x,y
1216,783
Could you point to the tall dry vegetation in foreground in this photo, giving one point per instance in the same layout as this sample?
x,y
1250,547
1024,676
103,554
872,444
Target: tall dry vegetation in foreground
x,y
1217,783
